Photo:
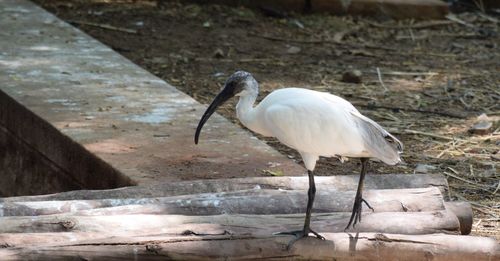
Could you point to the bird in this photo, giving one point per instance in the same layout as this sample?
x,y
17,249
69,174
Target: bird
x,y
316,124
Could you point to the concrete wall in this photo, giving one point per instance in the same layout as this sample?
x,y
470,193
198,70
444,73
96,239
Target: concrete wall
x,y
25,171
35,158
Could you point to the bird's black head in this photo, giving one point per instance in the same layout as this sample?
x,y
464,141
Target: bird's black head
x,y
237,84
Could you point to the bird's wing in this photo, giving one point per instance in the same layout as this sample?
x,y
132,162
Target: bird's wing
x,y
297,127
308,123
326,125
283,121
379,142
337,101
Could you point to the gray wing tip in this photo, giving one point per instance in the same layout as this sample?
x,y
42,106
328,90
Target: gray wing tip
x,y
394,142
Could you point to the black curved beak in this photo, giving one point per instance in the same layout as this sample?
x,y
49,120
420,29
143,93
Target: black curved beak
x,y
222,97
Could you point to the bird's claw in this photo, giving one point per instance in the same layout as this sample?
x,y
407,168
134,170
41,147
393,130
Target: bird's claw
x,y
298,234
317,235
368,205
356,212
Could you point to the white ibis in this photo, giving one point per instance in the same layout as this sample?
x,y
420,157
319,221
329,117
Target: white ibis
x,y
315,124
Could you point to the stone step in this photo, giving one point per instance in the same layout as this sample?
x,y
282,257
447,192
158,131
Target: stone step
x,y
86,117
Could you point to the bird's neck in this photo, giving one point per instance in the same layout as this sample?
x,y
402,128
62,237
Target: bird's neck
x,y
245,110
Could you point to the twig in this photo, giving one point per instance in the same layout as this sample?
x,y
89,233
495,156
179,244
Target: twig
x,y
394,118
412,37
445,55
454,144
487,17
454,18
437,136
480,5
281,39
379,74
453,170
496,190
471,171
372,46
397,73
493,90
441,145
106,26
276,38
476,204
413,26
466,105
243,60
480,209
468,181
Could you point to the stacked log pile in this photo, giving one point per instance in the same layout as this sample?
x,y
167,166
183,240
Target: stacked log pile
x,y
236,219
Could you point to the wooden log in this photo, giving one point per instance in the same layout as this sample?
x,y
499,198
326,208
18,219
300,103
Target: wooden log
x,y
337,246
256,201
340,183
463,211
389,222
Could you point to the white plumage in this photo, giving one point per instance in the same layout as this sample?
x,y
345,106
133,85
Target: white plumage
x,y
315,124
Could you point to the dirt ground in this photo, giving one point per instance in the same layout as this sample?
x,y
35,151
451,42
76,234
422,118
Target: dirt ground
x,y
436,77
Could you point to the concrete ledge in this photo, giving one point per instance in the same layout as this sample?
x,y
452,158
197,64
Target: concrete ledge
x,y
101,121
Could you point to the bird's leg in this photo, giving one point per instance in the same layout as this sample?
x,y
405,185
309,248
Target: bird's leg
x,y
310,200
358,200
306,230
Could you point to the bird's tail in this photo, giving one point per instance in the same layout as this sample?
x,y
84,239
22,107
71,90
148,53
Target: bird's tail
x,y
381,144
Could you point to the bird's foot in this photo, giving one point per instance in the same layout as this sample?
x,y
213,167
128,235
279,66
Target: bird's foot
x,y
356,212
298,234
